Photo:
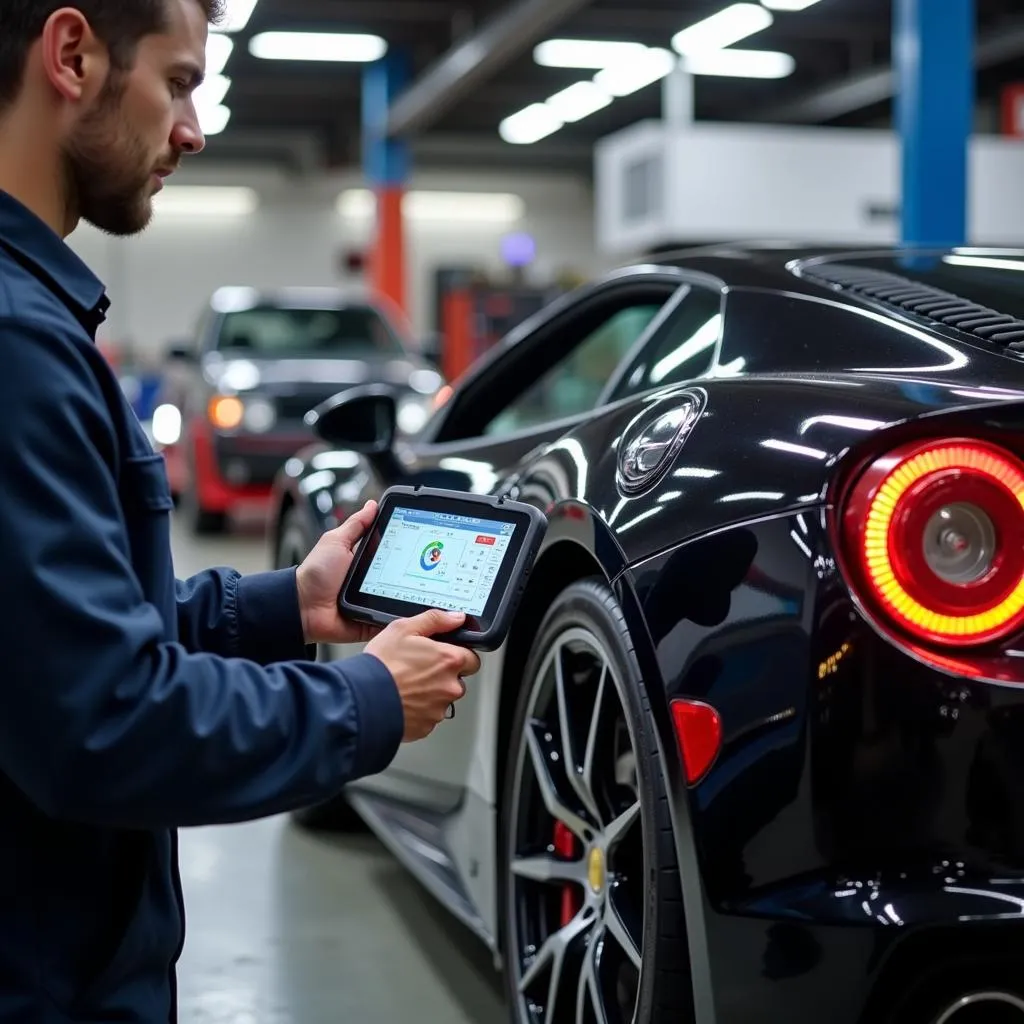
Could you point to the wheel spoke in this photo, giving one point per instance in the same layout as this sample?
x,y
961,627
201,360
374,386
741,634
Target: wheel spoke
x,y
595,722
578,780
553,801
616,928
589,990
552,954
617,829
550,869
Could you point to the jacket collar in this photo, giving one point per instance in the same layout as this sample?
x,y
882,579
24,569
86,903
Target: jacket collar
x,y
38,248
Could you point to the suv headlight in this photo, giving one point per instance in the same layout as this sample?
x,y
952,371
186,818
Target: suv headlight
x,y
260,415
228,412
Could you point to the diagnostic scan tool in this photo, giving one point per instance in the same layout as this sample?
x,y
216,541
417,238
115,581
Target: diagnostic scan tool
x,y
431,548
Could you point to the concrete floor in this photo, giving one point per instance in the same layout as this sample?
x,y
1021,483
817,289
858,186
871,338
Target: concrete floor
x,y
285,927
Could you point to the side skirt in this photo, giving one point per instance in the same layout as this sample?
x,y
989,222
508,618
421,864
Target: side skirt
x,y
417,839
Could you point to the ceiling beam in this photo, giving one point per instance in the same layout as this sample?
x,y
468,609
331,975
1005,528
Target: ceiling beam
x,y
298,150
278,93
470,63
869,88
461,149
657,27
368,12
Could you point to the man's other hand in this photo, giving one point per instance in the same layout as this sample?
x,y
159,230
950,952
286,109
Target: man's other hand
x,y
320,578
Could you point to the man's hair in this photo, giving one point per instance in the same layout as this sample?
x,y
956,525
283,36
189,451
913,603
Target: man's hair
x,y
121,24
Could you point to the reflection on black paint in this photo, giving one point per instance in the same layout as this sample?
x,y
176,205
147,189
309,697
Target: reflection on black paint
x,y
696,582
791,951
995,793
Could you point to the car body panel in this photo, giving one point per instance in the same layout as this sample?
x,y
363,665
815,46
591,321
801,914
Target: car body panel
x,y
728,576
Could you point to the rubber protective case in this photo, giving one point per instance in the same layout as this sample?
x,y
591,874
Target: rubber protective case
x,y
494,635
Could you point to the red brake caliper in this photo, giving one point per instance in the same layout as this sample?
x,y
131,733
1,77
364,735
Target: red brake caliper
x,y
572,898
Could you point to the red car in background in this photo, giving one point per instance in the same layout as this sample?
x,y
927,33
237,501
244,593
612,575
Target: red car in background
x,y
232,404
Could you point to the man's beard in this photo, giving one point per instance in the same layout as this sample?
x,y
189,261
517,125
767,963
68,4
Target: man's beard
x,y
106,170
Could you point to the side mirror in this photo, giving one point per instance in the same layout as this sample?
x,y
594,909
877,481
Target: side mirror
x,y
362,419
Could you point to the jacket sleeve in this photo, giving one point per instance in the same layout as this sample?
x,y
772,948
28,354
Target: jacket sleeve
x,y
103,721
255,616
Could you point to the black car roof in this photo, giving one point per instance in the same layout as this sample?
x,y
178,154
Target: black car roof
x,y
874,275
767,264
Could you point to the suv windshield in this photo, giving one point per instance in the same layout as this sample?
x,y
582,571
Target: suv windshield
x,y
989,280
354,332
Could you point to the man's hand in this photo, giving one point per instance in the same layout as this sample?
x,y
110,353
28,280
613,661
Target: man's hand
x,y
319,580
428,673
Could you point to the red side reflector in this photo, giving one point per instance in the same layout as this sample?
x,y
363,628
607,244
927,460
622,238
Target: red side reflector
x,y
699,733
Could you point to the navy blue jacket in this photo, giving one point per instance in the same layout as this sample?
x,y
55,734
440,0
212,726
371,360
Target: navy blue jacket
x,y
131,703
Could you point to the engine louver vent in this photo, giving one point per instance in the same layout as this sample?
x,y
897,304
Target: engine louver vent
x,y
922,300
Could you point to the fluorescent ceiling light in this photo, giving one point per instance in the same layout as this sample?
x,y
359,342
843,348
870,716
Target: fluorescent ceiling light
x,y
496,207
445,207
723,29
584,53
205,200
578,101
530,125
788,5
212,92
740,63
329,46
218,49
633,75
358,204
236,15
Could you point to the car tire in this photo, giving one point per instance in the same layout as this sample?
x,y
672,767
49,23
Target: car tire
x,y
607,915
293,544
336,814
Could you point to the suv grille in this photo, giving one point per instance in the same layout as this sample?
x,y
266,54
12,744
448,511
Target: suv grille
x,y
295,407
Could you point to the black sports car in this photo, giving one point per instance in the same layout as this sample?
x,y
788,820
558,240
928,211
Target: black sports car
x,y
754,750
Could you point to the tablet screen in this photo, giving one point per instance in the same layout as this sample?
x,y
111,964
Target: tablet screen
x,y
438,559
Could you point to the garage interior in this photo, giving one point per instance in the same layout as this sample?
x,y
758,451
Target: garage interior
x,y
517,148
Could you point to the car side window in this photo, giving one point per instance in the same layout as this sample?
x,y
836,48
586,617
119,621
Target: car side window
x,y
574,384
683,348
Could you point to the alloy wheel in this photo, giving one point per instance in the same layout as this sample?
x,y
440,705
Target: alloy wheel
x,y
577,858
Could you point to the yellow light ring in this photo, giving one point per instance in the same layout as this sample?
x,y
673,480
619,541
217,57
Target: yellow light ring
x,y
879,521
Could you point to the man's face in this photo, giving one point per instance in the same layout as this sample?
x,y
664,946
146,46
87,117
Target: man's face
x,y
136,132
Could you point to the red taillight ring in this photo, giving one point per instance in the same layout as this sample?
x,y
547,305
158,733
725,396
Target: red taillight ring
x,y
898,490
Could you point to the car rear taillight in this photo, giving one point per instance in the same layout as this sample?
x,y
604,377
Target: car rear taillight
x,y
935,531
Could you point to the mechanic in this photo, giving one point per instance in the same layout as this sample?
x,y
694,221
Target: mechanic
x,y
131,703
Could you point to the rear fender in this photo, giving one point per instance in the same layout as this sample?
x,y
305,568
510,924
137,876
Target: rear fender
x,y
761,448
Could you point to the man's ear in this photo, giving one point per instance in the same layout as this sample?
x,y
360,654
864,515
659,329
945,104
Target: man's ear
x,y
74,60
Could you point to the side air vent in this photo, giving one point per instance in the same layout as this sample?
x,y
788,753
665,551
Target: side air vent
x,y
922,300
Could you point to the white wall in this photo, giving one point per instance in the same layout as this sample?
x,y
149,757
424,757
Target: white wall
x,y
159,281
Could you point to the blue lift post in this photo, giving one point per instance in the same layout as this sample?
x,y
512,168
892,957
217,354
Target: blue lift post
x,y
386,169
933,51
